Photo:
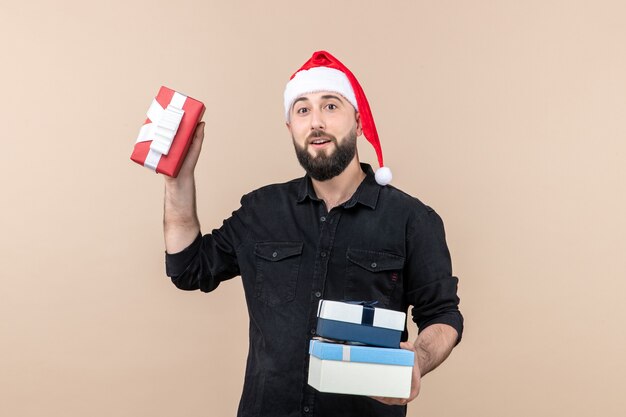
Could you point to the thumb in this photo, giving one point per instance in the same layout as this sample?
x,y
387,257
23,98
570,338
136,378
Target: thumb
x,y
189,164
407,346
196,143
198,135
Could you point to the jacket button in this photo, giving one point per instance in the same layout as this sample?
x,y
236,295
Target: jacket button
x,y
318,294
275,254
374,265
323,254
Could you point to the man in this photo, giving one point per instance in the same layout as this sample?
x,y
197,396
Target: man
x,y
338,233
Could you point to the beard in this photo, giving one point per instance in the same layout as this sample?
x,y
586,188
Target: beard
x,y
323,167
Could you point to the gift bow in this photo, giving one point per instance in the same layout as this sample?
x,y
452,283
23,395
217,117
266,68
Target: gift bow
x,y
162,129
367,317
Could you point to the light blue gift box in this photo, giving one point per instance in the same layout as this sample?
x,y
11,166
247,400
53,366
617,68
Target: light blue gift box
x,y
360,370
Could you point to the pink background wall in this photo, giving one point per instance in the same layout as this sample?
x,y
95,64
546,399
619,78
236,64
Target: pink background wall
x,y
507,117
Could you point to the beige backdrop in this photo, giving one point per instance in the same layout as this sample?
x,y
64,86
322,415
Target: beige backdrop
x,y
506,116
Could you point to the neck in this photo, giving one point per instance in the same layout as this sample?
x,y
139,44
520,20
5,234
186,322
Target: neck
x,y
339,189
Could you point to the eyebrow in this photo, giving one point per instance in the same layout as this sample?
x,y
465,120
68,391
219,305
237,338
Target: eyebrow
x,y
324,97
297,100
328,96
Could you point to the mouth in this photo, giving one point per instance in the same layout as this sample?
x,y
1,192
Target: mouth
x,y
319,142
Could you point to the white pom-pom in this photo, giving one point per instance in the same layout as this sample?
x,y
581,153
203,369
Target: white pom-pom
x,y
383,176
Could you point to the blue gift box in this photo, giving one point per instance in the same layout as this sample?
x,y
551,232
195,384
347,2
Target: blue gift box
x,y
360,370
360,322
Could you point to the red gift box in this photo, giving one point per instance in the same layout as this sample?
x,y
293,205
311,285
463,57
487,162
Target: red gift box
x,y
165,137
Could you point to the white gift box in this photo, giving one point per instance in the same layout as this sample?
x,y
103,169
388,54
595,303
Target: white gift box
x,y
360,370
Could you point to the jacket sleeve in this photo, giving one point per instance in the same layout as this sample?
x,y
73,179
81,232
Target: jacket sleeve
x,y
431,287
211,258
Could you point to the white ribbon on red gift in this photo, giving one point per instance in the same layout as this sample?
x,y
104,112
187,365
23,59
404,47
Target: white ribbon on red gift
x,y
162,129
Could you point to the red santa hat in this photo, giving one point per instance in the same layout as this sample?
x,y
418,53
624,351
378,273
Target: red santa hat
x,y
324,72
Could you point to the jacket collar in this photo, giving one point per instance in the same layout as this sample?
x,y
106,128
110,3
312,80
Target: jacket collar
x,y
366,193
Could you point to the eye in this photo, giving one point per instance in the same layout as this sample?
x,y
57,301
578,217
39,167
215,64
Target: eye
x,y
331,106
302,110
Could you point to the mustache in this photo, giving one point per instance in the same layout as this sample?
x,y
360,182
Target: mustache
x,y
316,134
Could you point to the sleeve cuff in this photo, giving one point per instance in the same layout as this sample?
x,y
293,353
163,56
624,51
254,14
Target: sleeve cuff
x,y
177,263
452,319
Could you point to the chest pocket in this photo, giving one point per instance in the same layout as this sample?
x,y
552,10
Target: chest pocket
x,y
372,275
277,267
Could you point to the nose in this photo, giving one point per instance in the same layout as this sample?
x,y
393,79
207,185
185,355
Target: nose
x,y
317,120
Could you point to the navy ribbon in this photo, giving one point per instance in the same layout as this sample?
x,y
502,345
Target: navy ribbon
x,y
367,317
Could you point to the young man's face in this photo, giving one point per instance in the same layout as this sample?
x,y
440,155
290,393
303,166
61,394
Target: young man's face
x,y
324,127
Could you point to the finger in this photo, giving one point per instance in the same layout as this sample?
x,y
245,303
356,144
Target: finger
x,y
199,132
193,153
381,400
196,143
198,135
407,346
390,401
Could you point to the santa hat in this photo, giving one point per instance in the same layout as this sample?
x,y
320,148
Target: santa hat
x,y
324,72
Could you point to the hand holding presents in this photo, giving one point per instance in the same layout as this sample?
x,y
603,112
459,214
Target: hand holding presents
x,y
432,347
416,380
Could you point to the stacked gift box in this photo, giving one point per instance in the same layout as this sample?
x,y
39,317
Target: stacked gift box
x,y
358,351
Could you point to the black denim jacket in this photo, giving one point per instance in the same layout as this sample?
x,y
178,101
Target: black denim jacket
x,y
381,244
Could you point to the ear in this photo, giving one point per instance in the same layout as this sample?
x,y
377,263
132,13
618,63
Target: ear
x,y
359,129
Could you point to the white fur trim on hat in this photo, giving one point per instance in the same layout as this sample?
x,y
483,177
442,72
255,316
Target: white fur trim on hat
x,y
383,176
318,79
